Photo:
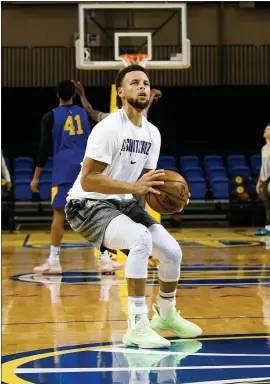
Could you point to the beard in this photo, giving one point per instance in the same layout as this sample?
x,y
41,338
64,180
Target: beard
x,y
139,105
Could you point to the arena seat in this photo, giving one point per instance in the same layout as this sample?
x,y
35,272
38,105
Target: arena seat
x,y
23,173
256,162
190,172
167,162
236,160
215,171
23,162
197,187
212,161
22,190
45,190
239,170
190,161
220,188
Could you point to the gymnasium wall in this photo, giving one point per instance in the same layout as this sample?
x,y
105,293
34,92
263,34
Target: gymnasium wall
x,y
208,23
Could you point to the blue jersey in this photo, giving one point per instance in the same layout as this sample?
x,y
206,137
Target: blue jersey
x,y
70,132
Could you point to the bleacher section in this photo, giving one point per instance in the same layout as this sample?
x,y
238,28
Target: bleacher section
x,y
215,184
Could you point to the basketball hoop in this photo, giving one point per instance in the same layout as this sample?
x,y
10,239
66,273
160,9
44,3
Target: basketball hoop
x,y
134,58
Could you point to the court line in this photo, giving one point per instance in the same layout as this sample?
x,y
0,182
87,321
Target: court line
x,y
129,369
26,240
149,284
113,321
234,381
152,352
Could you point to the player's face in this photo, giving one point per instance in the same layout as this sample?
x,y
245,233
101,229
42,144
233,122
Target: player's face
x,y
266,134
136,89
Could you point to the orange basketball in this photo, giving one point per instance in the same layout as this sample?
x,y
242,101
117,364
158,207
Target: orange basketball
x,y
174,194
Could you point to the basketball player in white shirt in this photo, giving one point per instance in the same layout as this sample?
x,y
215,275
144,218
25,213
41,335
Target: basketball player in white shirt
x,y
120,160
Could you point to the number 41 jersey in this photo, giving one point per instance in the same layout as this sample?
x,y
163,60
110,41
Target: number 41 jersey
x,y
70,132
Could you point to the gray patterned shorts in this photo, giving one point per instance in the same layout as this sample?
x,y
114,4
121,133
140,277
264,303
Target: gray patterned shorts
x,y
90,217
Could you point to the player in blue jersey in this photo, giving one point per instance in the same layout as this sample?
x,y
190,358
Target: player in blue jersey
x,y
64,131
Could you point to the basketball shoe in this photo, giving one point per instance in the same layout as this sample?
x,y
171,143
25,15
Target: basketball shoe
x,y
143,336
175,323
48,269
263,232
108,266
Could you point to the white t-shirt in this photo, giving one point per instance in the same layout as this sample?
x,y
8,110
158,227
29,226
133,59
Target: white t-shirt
x,y
126,148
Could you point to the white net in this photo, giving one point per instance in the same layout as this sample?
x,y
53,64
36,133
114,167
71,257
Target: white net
x,y
134,58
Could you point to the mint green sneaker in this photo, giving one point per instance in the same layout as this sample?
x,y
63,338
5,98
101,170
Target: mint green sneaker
x,y
143,336
175,323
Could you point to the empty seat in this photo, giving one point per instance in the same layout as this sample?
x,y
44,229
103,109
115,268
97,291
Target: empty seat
x,y
220,188
45,187
192,172
215,171
23,162
256,170
191,161
22,190
167,167
167,162
187,165
256,162
170,168
239,170
23,173
233,160
197,187
212,161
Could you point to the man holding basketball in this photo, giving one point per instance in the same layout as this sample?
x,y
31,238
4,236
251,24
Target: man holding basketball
x,y
120,160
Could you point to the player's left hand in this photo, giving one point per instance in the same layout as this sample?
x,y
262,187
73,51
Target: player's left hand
x,y
157,94
79,88
34,185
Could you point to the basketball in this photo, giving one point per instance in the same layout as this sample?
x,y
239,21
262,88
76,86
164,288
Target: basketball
x,y
174,194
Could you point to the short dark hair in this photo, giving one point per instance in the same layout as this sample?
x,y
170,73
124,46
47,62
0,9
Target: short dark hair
x,y
65,90
120,77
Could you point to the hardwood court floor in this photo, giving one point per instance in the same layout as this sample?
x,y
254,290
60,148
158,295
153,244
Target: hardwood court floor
x,y
68,329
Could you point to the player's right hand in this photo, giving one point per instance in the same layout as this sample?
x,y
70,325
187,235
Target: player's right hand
x,y
79,88
34,185
148,181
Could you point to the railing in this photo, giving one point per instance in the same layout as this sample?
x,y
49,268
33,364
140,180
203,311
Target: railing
x,y
211,65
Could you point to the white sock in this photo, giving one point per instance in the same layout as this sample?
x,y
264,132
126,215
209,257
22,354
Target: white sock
x,y
54,255
137,310
267,227
105,257
165,303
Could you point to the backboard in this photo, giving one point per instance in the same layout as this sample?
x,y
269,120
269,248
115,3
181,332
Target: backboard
x,y
108,30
